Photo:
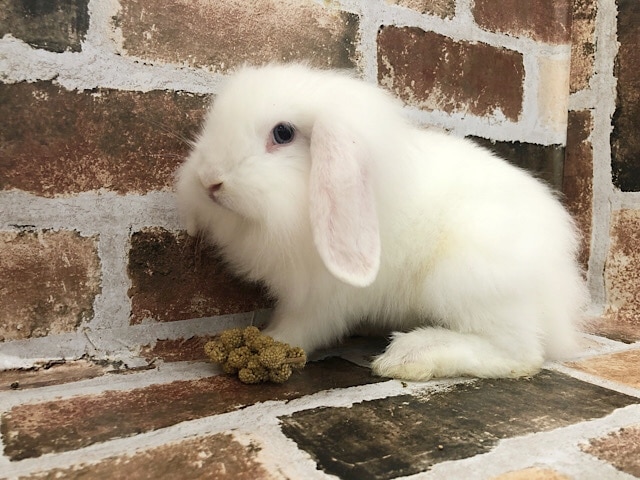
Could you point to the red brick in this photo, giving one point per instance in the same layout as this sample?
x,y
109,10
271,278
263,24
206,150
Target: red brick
x,y
228,33
50,374
583,43
622,279
625,138
441,8
55,25
179,350
218,456
56,142
32,430
434,72
544,20
48,284
621,449
577,184
175,277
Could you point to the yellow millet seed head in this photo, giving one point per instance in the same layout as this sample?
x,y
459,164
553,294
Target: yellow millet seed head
x,y
246,375
228,369
250,332
297,353
216,352
232,338
253,373
280,374
254,357
259,343
273,356
239,357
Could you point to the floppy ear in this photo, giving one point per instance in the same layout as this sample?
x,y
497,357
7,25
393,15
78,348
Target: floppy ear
x,y
342,206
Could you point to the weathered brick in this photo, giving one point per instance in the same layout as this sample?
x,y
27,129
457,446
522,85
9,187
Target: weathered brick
x,y
543,20
621,367
467,420
544,161
218,456
622,279
621,449
577,182
533,473
625,138
583,43
178,350
175,277
224,34
55,25
48,284
32,430
553,94
441,8
434,72
52,373
56,142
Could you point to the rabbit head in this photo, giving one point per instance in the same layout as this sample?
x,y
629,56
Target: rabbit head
x,y
288,150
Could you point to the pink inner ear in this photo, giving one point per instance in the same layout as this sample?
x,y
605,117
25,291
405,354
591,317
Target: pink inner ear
x,y
343,213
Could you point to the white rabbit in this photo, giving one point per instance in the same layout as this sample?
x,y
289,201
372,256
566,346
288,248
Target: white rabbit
x,y
314,183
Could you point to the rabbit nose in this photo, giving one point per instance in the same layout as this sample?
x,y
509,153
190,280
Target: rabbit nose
x,y
213,189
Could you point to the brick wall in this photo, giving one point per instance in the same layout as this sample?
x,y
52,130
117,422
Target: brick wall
x,y
99,99
602,169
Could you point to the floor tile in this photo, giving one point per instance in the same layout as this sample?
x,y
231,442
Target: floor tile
x,y
35,429
532,473
51,374
621,367
386,438
621,449
217,456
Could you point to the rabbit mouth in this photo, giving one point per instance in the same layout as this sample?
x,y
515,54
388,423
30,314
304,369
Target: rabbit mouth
x,y
218,200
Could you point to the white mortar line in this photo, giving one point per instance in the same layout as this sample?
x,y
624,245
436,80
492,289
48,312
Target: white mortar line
x,y
122,343
96,69
603,84
110,382
281,454
370,21
625,200
112,305
89,213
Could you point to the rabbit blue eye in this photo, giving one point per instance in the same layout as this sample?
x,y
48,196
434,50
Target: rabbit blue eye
x,y
283,133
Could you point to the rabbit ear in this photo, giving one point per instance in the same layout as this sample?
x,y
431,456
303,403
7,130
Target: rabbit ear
x,y
342,207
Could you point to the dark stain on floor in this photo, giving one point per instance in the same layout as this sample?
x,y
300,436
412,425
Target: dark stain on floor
x,y
404,435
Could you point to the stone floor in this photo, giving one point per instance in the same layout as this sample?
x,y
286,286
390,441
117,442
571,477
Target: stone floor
x,y
179,419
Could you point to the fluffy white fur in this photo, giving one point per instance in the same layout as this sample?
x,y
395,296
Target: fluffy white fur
x,y
365,218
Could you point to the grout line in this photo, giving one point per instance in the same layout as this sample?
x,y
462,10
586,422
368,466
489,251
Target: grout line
x,y
165,373
603,85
